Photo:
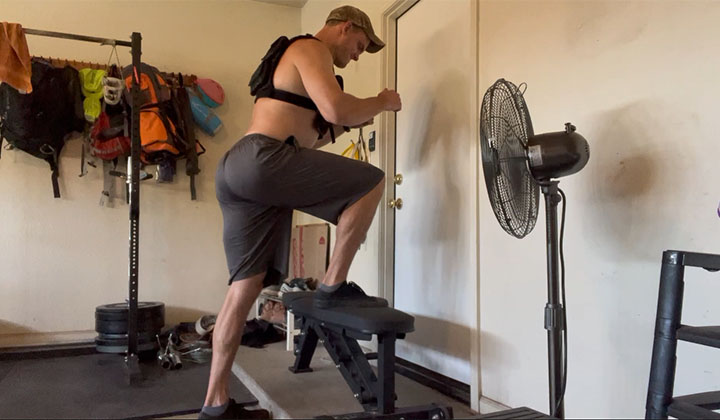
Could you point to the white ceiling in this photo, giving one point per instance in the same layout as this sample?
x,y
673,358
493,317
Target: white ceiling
x,y
292,3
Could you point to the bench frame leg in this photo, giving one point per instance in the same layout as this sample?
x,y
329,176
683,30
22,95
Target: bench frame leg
x,y
306,343
386,373
376,393
370,390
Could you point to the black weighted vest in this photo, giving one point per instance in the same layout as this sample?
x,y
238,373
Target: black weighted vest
x,y
261,83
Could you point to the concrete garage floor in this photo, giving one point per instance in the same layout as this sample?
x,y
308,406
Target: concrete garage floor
x,y
321,392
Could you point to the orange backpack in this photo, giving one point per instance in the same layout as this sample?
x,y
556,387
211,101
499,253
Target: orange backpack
x,y
158,135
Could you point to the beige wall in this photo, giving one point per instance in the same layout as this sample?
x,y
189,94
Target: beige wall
x,y
639,80
62,257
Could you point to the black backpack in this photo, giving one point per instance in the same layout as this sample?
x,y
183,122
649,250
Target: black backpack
x,y
262,77
189,147
186,125
38,122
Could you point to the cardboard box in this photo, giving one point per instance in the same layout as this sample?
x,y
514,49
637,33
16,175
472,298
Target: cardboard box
x,y
309,251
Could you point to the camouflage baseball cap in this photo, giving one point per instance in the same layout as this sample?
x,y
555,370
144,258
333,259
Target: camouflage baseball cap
x,y
359,19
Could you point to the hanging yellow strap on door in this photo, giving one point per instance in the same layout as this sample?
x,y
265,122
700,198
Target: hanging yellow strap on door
x,y
357,150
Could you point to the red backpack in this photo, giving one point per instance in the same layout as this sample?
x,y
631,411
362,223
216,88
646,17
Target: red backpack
x,y
109,136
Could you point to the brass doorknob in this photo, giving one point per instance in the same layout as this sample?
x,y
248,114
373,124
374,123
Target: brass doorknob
x,y
395,204
398,179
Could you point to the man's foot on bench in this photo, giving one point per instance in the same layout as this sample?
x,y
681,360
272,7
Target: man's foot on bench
x,y
236,411
347,295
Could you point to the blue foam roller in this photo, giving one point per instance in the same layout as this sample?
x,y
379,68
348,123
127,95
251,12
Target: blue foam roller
x,y
204,116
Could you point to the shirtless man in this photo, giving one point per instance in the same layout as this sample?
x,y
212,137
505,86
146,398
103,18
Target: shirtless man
x,y
275,168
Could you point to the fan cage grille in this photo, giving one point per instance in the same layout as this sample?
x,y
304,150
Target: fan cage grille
x,y
505,126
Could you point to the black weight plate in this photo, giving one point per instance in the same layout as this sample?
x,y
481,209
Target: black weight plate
x,y
123,307
123,349
124,317
106,336
119,341
143,336
119,311
147,315
121,327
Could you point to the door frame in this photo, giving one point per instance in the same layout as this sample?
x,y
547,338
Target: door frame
x,y
386,248
387,132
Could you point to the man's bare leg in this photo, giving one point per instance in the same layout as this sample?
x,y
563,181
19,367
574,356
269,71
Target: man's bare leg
x,y
227,335
352,228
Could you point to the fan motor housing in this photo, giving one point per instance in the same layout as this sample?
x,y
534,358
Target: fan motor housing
x,y
557,154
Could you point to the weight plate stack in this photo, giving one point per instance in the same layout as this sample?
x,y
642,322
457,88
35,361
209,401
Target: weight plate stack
x,y
119,345
111,323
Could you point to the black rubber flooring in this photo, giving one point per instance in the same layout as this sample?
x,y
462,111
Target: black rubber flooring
x,y
94,386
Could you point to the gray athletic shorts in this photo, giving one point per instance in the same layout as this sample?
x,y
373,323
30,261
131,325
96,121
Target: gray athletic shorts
x,y
259,182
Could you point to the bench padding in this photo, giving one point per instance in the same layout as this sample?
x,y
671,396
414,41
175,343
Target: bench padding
x,y
365,320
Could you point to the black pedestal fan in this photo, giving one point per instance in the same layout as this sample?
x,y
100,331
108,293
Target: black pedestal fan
x,y
517,164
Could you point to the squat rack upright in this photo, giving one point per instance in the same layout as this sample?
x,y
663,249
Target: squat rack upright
x,y
132,367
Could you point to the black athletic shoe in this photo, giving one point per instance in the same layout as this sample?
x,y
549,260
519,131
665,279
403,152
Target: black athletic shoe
x,y
347,295
236,411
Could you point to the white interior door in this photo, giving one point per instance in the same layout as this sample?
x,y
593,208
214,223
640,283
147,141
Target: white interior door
x,y
435,246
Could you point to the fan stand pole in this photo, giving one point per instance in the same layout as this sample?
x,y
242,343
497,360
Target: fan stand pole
x,y
553,310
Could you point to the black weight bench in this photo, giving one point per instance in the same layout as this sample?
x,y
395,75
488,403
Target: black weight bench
x,y
338,330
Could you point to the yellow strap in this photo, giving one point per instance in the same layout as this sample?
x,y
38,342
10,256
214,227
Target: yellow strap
x,y
357,150
362,148
348,152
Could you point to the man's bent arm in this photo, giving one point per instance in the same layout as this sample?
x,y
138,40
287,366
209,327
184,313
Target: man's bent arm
x,y
314,63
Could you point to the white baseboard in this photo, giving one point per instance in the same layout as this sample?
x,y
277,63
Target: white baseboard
x,y
44,338
490,406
